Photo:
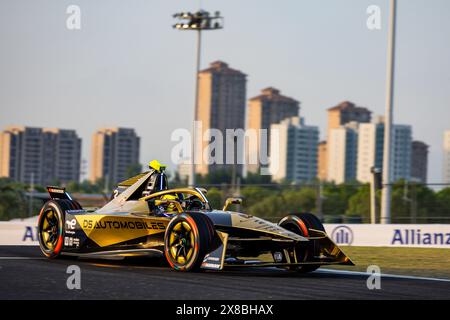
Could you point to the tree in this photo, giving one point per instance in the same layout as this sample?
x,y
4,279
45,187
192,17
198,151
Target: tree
x,y
337,198
13,202
252,195
215,198
278,203
86,186
359,204
300,200
271,206
255,178
442,208
408,198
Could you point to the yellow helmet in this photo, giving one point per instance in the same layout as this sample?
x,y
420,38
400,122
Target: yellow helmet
x,y
171,207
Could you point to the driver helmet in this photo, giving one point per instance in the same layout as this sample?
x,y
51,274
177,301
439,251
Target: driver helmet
x,y
171,207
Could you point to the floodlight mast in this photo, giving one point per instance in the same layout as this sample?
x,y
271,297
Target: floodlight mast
x,y
198,21
387,174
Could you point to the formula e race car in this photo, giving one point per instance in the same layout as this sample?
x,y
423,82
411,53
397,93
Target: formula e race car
x,y
145,217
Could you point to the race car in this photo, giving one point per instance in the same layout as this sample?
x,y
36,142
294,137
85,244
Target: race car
x,y
146,218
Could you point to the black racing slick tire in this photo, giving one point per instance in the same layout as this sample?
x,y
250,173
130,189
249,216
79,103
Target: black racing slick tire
x,y
188,238
51,225
301,224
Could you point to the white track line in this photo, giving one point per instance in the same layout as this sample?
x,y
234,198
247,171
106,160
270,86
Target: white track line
x,y
394,276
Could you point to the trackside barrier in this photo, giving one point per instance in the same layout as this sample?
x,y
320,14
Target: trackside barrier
x,y
18,233
392,235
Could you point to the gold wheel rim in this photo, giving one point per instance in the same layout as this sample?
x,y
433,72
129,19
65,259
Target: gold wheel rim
x,y
181,242
50,229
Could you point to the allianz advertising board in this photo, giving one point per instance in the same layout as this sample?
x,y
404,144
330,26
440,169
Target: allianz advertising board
x,y
391,235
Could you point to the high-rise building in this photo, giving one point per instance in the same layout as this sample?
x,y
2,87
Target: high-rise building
x,y
114,152
295,159
342,149
401,152
419,161
41,156
221,106
322,165
346,112
270,107
338,116
446,167
371,149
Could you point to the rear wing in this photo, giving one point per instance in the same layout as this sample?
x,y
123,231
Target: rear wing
x,y
58,193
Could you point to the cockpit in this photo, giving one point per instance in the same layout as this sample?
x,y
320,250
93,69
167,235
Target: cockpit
x,y
149,193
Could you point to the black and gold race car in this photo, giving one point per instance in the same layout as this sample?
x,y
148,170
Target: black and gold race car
x,y
145,217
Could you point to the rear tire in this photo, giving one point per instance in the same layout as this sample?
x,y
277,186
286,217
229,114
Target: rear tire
x,y
189,237
51,225
301,224
50,228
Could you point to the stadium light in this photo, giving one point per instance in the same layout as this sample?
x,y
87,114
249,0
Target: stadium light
x,y
198,21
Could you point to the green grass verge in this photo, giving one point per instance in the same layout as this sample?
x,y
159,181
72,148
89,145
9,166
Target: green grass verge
x,y
424,262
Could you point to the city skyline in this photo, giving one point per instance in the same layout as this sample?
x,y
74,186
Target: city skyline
x,y
115,70
41,156
354,147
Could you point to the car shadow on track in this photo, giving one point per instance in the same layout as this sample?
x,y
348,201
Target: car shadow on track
x,y
162,265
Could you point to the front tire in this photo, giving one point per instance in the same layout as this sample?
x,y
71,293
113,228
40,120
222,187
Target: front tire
x,y
189,237
301,224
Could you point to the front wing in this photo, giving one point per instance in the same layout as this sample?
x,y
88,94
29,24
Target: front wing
x,y
275,252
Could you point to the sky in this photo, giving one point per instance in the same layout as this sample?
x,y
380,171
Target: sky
x,y
128,67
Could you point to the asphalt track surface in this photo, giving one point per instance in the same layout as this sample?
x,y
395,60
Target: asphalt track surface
x,y
25,274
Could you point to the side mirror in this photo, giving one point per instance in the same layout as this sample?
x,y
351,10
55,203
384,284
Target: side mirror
x,y
169,201
230,201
